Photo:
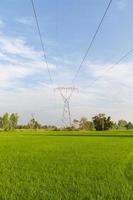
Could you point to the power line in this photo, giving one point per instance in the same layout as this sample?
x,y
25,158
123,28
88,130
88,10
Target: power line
x,y
43,49
92,41
41,40
111,67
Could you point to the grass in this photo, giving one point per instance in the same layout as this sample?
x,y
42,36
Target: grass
x,y
47,166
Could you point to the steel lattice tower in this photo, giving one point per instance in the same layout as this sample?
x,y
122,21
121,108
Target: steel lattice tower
x,y
66,94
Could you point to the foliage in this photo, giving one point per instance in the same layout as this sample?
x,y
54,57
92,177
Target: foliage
x,y
129,126
13,120
9,122
84,124
73,168
101,122
122,124
33,124
6,122
114,126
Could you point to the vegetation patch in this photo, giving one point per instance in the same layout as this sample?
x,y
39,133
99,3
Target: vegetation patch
x,y
34,166
129,169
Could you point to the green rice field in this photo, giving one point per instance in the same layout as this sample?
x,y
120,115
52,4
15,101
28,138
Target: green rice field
x,y
66,166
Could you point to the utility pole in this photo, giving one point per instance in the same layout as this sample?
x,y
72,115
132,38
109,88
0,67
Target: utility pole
x,y
66,94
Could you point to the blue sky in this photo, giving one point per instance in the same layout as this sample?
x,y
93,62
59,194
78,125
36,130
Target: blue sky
x,y
67,28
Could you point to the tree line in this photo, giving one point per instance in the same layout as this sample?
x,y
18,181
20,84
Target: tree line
x,y
10,122
99,122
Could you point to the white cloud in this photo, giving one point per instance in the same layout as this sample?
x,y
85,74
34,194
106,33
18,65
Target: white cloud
x,y
19,47
18,60
112,94
25,21
110,73
25,101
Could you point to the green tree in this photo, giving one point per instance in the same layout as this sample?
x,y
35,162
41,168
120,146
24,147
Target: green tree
x,y
33,124
129,125
122,124
114,126
13,121
1,123
5,122
101,122
84,124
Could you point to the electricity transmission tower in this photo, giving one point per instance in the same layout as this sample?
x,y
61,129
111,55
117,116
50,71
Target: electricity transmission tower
x,y
66,94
